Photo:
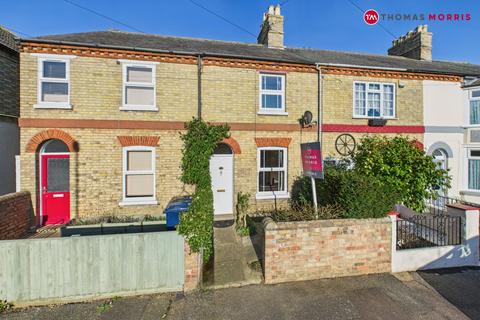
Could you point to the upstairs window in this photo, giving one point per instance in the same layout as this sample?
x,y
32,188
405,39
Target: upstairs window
x,y
373,100
138,175
272,93
475,107
139,86
53,82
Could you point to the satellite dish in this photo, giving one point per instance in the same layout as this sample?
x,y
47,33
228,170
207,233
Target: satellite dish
x,y
307,117
307,120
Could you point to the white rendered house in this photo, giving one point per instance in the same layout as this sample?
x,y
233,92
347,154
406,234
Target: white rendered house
x,y
452,133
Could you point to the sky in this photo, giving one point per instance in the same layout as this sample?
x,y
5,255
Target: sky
x,y
321,24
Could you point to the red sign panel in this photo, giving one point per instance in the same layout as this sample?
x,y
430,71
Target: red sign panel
x,y
312,159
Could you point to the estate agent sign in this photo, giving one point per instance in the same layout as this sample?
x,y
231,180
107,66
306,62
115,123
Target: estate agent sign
x,y
312,160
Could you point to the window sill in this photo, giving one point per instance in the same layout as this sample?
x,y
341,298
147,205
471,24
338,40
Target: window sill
x,y
137,203
384,118
52,106
270,196
470,192
147,109
272,113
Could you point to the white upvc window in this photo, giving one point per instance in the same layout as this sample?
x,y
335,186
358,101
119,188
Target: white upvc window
x,y
139,86
53,85
373,100
474,106
272,173
138,175
272,94
473,169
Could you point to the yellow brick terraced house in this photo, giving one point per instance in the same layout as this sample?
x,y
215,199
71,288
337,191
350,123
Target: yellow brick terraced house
x,y
101,113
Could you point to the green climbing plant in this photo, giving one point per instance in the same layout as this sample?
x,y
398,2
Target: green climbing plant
x,y
199,142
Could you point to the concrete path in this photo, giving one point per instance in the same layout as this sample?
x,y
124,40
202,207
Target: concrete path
x,y
367,297
460,286
230,266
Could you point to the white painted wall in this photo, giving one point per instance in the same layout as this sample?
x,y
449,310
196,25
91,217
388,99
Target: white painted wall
x,y
443,103
445,111
465,254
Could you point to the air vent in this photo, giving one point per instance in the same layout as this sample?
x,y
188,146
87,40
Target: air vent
x,y
474,135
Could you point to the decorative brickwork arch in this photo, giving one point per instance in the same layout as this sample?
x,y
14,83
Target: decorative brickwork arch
x,y
233,144
49,134
127,141
273,142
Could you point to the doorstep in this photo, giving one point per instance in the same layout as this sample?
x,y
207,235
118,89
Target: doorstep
x,y
223,217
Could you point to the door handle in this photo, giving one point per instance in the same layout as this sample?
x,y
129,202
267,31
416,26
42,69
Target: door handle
x,y
60,195
220,190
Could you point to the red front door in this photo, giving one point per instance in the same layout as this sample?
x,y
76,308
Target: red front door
x,y
55,186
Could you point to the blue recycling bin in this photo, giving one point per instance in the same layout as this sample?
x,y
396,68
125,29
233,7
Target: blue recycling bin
x,y
175,207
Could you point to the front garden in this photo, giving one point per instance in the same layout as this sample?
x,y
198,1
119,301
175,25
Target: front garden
x,y
383,172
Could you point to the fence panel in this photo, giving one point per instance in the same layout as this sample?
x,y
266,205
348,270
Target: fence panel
x,y
58,268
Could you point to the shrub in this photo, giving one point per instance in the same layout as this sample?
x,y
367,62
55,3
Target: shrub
x,y
199,143
242,206
307,213
399,163
358,195
354,195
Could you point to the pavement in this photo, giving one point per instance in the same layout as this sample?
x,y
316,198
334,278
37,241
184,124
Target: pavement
x,y
382,296
460,286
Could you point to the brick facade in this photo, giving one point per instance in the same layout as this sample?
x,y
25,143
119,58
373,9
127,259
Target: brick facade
x,y
16,215
230,94
296,251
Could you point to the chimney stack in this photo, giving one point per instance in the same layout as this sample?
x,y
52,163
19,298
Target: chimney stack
x,y
416,44
271,32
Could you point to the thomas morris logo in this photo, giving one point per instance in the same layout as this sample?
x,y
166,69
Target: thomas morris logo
x,y
372,17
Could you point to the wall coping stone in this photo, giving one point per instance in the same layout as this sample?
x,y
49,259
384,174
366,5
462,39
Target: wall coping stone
x,y
12,195
270,224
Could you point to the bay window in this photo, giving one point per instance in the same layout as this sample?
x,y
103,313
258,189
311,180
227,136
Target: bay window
x,y
138,175
473,158
373,100
271,172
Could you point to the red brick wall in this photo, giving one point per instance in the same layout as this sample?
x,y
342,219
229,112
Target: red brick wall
x,y
16,215
296,251
192,269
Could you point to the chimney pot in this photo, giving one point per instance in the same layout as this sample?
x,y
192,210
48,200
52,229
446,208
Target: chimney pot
x,y
271,31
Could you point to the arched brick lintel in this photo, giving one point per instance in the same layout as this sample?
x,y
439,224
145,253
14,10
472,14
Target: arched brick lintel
x,y
273,142
49,134
150,141
232,143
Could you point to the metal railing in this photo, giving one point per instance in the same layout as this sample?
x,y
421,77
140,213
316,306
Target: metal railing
x,y
429,231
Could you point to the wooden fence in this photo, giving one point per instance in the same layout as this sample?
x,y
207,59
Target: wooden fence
x,y
75,268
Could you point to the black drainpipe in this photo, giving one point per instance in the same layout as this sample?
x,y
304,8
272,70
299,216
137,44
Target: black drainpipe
x,y
199,88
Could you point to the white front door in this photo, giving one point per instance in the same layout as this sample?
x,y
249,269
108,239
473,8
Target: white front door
x,y
221,171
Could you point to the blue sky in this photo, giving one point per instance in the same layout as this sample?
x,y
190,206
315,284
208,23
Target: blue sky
x,y
331,24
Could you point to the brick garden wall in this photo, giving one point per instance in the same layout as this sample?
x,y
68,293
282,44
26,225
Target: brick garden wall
x,y
192,269
296,251
16,215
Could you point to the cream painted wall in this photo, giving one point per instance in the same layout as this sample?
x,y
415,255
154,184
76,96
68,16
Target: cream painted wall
x,y
445,106
444,103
